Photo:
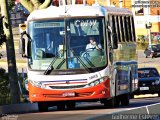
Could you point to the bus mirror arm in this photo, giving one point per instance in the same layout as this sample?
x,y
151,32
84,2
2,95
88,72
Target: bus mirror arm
x,y
109,29
22,44
114,41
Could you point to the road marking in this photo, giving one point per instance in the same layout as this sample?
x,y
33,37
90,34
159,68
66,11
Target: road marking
x,y
147,109
144,106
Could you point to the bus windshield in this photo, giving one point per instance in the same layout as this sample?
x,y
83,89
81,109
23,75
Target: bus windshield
x,y
64,43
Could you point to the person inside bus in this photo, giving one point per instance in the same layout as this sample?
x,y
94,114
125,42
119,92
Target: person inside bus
x,y
93,45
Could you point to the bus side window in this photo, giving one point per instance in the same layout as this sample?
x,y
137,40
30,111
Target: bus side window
x,y
109,23
133,29
113,24
126,28
121,28
129,28
117,28
120,32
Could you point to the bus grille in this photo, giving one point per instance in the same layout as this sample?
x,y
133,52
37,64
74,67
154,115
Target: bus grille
x,y
67,87
85,94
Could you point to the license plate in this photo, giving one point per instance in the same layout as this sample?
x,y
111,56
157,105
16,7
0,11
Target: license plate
x,y
144,88
68,94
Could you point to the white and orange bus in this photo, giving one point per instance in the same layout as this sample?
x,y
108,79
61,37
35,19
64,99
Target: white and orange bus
x,y
61,71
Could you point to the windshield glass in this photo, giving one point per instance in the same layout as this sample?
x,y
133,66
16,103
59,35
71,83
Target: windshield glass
x,y
67,44
144,73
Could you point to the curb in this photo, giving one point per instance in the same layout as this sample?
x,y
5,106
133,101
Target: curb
x,y
18,108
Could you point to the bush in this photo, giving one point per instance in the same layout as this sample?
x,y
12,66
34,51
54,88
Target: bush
x,y
4,87
141,38
142,45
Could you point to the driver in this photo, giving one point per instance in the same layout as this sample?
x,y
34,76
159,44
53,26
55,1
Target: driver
x,y
93,45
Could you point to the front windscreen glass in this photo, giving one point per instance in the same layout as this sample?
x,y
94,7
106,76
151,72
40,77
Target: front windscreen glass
x,y
68,44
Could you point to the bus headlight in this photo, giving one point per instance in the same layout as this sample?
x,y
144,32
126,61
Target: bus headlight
x,y
37,84
96,82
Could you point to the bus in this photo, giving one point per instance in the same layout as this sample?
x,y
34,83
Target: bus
x,y
62,72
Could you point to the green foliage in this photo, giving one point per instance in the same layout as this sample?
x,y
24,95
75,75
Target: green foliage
x,y
11,3
141,38
4,87
1,26
4,82
2,35
142,45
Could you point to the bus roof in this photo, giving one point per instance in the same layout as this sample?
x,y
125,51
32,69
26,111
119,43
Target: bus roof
x,y
75,11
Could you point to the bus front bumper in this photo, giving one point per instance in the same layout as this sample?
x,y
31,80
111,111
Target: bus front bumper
x,y
99,91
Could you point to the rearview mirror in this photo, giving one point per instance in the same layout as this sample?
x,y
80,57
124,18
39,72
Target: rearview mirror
x,y
114,41
22,47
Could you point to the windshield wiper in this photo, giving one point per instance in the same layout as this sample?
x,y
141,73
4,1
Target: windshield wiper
x,y
50,67
89,62
85,66
61,63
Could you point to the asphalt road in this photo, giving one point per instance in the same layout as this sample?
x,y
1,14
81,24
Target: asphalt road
x,y
85,111
148,62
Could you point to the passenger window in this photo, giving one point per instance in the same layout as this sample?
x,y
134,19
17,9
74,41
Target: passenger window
x,y
117,28
126,28
121,28
133,29
129,28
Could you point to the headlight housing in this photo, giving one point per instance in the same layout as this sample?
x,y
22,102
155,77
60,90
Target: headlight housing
x,y
37,84
96,82
157,82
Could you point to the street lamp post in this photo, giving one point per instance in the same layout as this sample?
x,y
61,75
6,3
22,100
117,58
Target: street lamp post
x,y
149,26
120,3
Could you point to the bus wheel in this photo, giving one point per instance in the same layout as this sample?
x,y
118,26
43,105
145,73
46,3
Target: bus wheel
x,y
114,102
125,99
61,106
70,105
42,107
131,96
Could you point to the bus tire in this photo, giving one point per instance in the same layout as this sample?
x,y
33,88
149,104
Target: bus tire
x,y
114,102
42,107
131,96
125,99
61,106
71,105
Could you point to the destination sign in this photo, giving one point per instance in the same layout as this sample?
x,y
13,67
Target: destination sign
x,y
48,24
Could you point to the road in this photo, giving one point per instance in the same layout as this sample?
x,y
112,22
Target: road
x,y
85,111
148,62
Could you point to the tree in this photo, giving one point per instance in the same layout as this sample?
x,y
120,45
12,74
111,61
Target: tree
x,y
32,5
12,69
4,87
11,3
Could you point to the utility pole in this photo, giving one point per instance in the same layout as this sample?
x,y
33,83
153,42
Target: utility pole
x,y
120,3
12,69
149,26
